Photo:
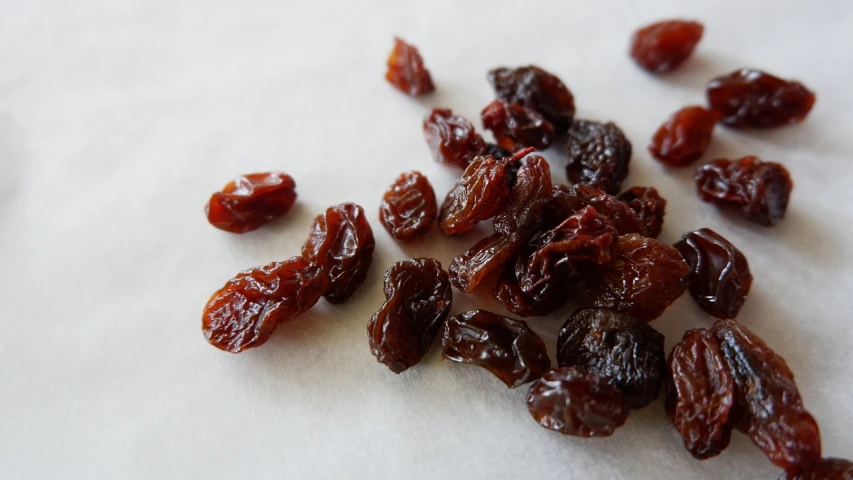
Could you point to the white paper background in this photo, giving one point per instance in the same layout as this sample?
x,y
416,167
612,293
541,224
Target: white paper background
x,y
119,118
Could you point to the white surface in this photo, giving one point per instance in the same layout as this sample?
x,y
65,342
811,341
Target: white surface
x,y
119,118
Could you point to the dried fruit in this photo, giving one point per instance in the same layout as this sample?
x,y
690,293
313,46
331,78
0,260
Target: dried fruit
x,y
616,347
598,155
537,89
684,137
452,138
760,189
408,208
700,394
481,193
417,300
251,201
826,469
649,206
506,347
406,70
341,242
244,313
515,126
662,46
755,99
487,256
535,304
567,200
574,402
719,273
530,194
644,279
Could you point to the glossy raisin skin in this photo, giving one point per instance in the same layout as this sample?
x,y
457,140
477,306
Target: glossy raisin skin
x,y
408,208
755,99
417,300
534,88
684,137
663,46
719,273
515,126
251,201
760,190
616,347
341,242
244,313
648,205
452,138
567,200
506,347
826,469
700,394
574,402
599,154
774,416
406,70
482,192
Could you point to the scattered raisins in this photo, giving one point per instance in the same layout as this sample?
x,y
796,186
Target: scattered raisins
x,y
482,192
565,201
599,154
452,138
649,206
684,137
663,46
515,126
408,208
251,201
826,469
755,99
406,70
537,89
486,257
530,194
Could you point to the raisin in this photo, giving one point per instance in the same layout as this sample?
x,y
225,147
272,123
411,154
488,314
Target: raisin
x,y
755,99
408,208
481,193
497,152
663,46
530,194
599,154
700,394
452,138
574,402
244,313
341,242
774,416
826,469
760,189
649,206
616,347
515,126
684,137
406,70
536,304
536,89
644,279
487,256
251,201
565,201
417,300
506,347
719,273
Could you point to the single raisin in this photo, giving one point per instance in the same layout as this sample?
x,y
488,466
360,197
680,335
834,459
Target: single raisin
x,y
684,137
417,300
244,313
536,304
719,273
755,99
599,154
486,257
530,194
341,242
616,347
452,138
537,89
574,402
567,200
662,46
408,208
515,126
482,192
251,201
406,70
649,206
506,347
760,189
826,469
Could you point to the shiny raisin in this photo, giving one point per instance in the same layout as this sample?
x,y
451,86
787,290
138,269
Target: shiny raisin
x,y
663,46
408,208
826,469
530,194
537,89
599,154
565,201
684,137
515,126
648,205
452,138
251,201
486,257
755,99
406,70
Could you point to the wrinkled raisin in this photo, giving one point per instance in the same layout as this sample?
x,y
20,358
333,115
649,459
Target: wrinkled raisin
x,y
649,206
481,193
417,300
536,304
341,242
250,201
452,138
565,201
408,208
515,126
486,257
684,137
530,194
826,469
406,70
574,402
760,189
599,154
719,273
537,89
755,99
506,347
662,46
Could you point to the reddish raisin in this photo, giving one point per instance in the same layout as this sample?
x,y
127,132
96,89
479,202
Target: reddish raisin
x,y
486,257
599,154
755,99
661,47
406,70
826,469
408,208
760,189
530,194
684,137
515,126
251,201
649,206
341,242
480,194
452,138
536,89
574,402
567,200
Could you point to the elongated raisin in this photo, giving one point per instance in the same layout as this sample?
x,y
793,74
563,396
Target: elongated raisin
x,y
599,154
486,257
482,192
648,205
537,89
755,99
684,137
567,200
530,194
515,126
251,201
452,138
408,208
663,46
826,469
406,70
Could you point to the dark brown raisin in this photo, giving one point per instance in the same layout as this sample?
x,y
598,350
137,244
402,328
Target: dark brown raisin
x,y
755,99
417,300
649,206
482,192
826,469
515,126
536,304
574,402
599,154
406,70
506,347
616,347
760,189
662,46
537,89
244,313
684,137
251,201
452,138
567,200
530,194
408,208
486,257
341,242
